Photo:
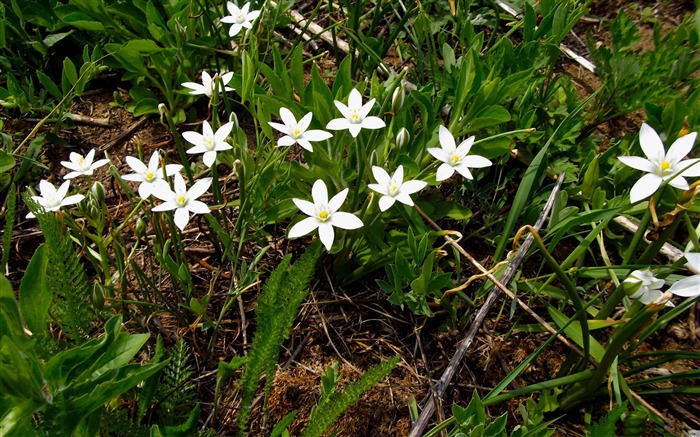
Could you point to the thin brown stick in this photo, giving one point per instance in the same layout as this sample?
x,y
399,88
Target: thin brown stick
x,y
465,343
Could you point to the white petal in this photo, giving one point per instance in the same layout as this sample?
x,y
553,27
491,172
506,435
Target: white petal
x,y
316,135
354,129
680,148
638,163
398,174
464,171
145,190
687,287
137,165
381,189
693,259
98,163
355,99
223,132
165,206
691,166
679,182
305,121
338,124
381,175
345,220
319,192
74,174
337,201
209,158
476,161
288,118
200,187
344,110
444,172
195,87
90,156
404,198
373,123
465,146
651,143
305,226
439,154
193,137
305,206
182,217
72,200
305,144
286,141
386,202
645,187
232,8
413,186
171,169
280,127
153,162
252,15
447,140
326,234
179,184
198,207
366,108
235,28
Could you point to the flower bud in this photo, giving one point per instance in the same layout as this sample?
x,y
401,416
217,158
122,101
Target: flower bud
x,y
98,296
98,192
402,138
163,111
234,118
398,98
140,228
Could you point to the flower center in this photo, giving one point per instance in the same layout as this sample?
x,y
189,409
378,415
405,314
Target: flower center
x,y
323,215
150,176
296,133
355,117
665,166
240,18
393,188
52,202
181,201
209,143
454,159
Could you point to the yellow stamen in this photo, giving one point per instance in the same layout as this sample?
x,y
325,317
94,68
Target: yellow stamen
x,y
665,166
455,159
323,215
149,176
181,200
296,132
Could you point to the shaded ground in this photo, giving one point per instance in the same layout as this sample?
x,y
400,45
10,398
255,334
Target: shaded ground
x,y
361,330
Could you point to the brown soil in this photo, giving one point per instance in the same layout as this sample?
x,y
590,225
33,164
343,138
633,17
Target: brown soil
x,y
359,332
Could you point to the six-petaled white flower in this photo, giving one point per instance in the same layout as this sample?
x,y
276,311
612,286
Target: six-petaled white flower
x,y
645,287
209,142
148,176
323,214
456,157
52,199
82,165
660,165
296,132
239,18
182,200
210,84
689,286
394,188
355,115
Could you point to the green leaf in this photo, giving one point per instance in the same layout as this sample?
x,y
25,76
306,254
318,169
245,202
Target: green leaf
x,y
490,116
573,331
6,161
50,85
34,295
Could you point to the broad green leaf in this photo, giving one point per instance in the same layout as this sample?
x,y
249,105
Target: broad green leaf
x,y
6,161
50,85
490,116
573,331
34,295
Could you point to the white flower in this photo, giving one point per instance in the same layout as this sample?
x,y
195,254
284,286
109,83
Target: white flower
x,y
323,214
210,84
148,176
209,142
648,287
182,200
82,165
660,165
355,114
456,157
296,132
52,199
239,18
689,286
393,188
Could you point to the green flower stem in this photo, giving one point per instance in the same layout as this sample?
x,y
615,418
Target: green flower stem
x,y
180,146
568,286
622,334
637,238
692,231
